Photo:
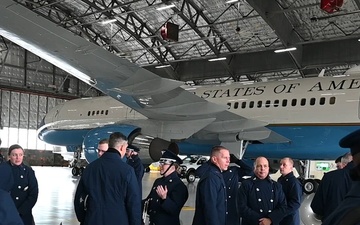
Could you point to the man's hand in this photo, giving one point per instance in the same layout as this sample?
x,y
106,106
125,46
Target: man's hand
x,y
265,221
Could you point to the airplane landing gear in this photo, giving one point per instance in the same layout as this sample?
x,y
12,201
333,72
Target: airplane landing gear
x,y
309,185
75,164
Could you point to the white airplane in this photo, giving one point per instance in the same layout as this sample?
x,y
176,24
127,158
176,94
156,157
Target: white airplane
x,y
302,119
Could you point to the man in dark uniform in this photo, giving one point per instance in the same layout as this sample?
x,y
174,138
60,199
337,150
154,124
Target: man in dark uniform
x,y
261,200
8,212
332,190
232,176
210,203
168,194
338,163
348,210
292,190
108,191
133,160
25,190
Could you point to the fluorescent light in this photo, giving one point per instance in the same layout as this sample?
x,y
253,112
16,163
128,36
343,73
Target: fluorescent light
x,y
108,21
285,50
231,1
217,59
162,66
165,7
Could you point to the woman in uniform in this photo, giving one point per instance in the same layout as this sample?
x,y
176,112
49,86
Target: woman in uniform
x,y
168,194
25,190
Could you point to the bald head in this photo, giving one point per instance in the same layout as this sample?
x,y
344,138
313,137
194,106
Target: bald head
x,y
261,167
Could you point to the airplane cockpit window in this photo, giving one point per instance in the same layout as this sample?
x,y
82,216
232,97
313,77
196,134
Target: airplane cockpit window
x,y
332,100
276,103
259,104
293,102
322,100
303,102
312,101
267,103
284,102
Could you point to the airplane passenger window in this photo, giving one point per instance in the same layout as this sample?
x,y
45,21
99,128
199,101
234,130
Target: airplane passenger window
x,y
102,112
236,105
303,102
93,113
251,104
259,104
276,103
243,105
89,113
106,112
97,112
332,100
284,102
229,104
312,101
322,100
293,102
267,103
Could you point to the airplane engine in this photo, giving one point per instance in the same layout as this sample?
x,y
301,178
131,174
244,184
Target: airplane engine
x,y
307,216
93,137
185,148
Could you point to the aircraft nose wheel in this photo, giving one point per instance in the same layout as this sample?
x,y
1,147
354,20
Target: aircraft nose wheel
x,y
75,171
191,177
310,186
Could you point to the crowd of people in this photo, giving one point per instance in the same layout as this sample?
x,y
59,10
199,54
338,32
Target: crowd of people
x,y
110,189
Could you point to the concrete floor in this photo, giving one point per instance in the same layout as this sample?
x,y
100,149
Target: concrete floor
x,y
56,192
57,187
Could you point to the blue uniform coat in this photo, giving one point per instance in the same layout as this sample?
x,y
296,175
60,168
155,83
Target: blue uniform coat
x,y
293,191
350,202
331,191
166,212
210,204
24,191
261,199
135,162
111,191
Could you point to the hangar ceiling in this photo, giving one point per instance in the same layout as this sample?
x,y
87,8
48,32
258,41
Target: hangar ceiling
x,y
245,32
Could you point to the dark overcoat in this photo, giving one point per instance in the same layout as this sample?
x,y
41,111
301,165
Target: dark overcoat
x,y
108,193
25,191
261,198
293,192
332,190
210,204
166,212
135,162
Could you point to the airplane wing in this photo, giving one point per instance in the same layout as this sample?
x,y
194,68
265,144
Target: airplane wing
x,y
163,101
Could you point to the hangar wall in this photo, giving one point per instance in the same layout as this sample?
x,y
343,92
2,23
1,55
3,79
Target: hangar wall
x,y
29,88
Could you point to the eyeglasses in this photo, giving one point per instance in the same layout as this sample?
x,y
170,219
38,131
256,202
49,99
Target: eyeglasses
x,y
166,161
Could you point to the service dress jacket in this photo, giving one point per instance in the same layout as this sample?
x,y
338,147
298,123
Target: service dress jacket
x,y
293,192
261,198
167,211
211,199
135,162
108,193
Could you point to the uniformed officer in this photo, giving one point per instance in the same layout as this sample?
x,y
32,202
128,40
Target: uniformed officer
x,y
133,160
211,198
103,146
232,176
25,190
108,192
8,212
261,200
168,193
292,190
348,210
332,190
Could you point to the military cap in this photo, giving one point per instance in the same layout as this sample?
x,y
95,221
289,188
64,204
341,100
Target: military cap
x,y
133,148
351,141
168,155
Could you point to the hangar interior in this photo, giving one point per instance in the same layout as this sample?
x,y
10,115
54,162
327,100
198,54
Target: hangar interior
x,y
241,35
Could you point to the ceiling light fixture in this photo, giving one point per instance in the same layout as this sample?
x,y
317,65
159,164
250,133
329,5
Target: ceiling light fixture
x,y
217,59
108,21
162,66
285,50
231,1
165,7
